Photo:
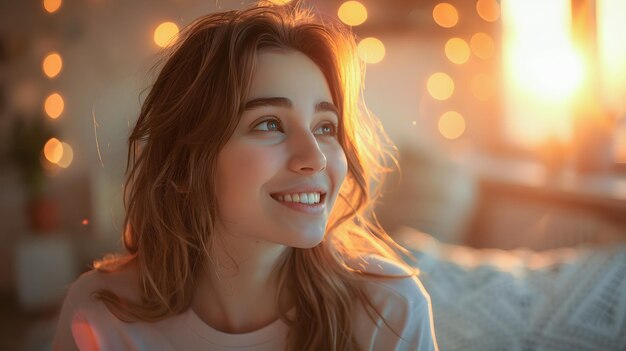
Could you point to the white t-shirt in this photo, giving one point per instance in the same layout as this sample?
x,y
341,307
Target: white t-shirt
x,y
88,324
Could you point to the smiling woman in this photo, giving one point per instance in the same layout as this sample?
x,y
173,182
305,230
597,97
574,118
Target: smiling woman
x,y
287,151
250,183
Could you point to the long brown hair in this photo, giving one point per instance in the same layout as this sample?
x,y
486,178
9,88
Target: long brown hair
x,y
187,117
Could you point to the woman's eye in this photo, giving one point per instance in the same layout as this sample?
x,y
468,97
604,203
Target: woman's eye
x,y
329,129
269,125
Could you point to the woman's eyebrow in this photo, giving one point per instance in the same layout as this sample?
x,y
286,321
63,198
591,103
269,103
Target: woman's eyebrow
x,y
327,106
285,102
270,101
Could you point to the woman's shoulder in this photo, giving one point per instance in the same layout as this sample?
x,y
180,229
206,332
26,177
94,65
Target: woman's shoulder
x,y
401,303
389,279
122,282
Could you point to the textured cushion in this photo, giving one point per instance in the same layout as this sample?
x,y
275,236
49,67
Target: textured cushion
x,y
564,299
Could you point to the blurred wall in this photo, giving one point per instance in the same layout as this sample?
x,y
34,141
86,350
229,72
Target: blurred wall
x,y
107,52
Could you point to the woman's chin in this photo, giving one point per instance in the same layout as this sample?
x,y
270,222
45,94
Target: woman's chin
x,y
307,242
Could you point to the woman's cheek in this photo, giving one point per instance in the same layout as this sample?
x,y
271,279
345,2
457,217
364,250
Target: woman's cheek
x,y
337,163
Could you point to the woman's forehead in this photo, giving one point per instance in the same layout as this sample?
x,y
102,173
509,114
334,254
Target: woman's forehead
x,y
289,74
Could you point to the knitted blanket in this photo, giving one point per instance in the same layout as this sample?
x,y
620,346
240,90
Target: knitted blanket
x,y
563,299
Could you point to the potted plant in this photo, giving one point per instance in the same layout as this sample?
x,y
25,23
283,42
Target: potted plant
x,y
28,140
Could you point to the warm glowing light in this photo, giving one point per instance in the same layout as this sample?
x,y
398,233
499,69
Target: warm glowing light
x,y
67,156
52,65
280,2
51,5
483,87
352,13
540,56
482,45
451,125
612,53
85,221
542,70
371,50
489,10
53,150
457,50
445,15
440,86
165,34
555,75
54,105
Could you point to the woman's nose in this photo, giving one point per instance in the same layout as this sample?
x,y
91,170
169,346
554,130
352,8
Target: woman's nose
x,y
305,154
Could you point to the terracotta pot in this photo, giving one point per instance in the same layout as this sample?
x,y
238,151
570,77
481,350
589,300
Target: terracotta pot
x,y
43,215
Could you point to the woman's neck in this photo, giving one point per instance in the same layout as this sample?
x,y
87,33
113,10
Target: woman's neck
x,y
238,288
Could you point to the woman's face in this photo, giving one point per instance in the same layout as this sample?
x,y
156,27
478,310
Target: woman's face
x,y
279,174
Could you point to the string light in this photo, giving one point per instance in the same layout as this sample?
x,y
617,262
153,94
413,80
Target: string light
x,y
457,50
445,15
482,45
489,10
352,13
440,86
52,6
53,150
451,125
165,34
371,50
67,156
54,105
52,65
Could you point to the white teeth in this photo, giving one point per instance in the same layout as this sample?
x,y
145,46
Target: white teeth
x,y
303,198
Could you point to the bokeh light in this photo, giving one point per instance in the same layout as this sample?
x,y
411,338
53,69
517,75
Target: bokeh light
x,y
543,71
451,125
445,15
165,34
552,74
51,5
483,86
482,45
54,105
457,50
352,13
440,86
85,221
489,10
612,55
53,150
67,156
371,50
550,69
52,65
